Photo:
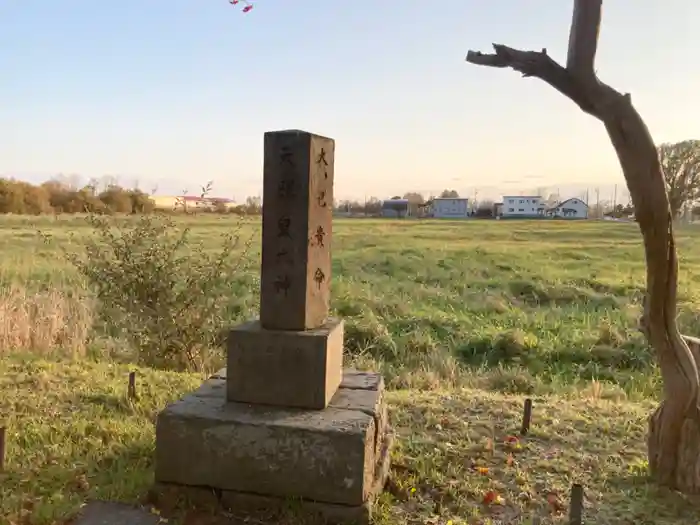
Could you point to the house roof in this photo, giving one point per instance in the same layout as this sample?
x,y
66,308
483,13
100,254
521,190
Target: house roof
x,y
522,196
567,200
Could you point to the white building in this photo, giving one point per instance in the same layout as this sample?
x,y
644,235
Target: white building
x,y
569,209
523,206
447,208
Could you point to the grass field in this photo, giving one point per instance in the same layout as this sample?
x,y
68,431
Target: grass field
x,y
463,318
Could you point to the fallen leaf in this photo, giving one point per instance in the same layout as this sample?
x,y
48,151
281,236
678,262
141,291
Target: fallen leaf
x,y
490,497
554,502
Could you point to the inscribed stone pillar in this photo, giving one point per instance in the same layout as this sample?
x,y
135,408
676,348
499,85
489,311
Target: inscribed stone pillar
x,y
297,230
283,420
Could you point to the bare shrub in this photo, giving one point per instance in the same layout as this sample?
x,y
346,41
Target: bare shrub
x,y
160,291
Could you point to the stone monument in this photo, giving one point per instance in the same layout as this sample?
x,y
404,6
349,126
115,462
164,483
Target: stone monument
x,y
284,420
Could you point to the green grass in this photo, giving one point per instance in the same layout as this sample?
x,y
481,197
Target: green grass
x,y
463,318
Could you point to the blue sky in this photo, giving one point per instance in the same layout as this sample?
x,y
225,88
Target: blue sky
x,y
173,93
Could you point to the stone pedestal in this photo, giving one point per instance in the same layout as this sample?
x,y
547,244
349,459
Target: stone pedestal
x,y
244,456
285,368
282,420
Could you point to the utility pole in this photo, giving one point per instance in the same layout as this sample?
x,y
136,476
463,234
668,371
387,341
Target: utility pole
x,y
597,203
615,197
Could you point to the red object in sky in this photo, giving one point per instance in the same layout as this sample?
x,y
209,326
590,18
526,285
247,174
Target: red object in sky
x,y
247,5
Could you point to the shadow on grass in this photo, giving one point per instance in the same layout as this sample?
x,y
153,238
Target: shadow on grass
x,y
122,471
640,486
602,358
459,456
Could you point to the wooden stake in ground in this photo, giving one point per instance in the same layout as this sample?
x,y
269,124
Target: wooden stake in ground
x,y
2,448
527,417
576,505
131,390
674,429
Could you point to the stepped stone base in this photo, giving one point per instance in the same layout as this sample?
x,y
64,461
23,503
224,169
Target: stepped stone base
x,y
331,462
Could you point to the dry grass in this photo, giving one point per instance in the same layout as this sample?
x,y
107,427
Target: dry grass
x,y
460,460
464,319
47,323
74,436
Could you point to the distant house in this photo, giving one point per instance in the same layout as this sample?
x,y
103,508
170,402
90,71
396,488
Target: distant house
x,y
218,203
192,202
569,209
165,202
497,209
446,208
522,206
395,208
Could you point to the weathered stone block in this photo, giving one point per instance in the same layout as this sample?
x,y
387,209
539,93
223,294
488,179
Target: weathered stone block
x,y
297,230
357,380
170,495
358,391
241,503
285,368
338,455
113,513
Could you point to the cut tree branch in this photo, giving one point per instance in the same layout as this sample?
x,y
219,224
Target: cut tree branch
x,y
538,64
583,39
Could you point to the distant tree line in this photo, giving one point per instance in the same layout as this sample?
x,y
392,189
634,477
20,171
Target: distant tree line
x,y
55,196
61,196
680,162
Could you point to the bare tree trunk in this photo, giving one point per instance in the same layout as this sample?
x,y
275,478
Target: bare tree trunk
x,y
674,428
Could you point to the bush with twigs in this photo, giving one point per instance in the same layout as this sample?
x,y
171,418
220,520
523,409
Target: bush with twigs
x,y
159,290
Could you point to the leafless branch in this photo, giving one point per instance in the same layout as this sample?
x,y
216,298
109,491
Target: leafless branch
x,y
540,65
578,80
